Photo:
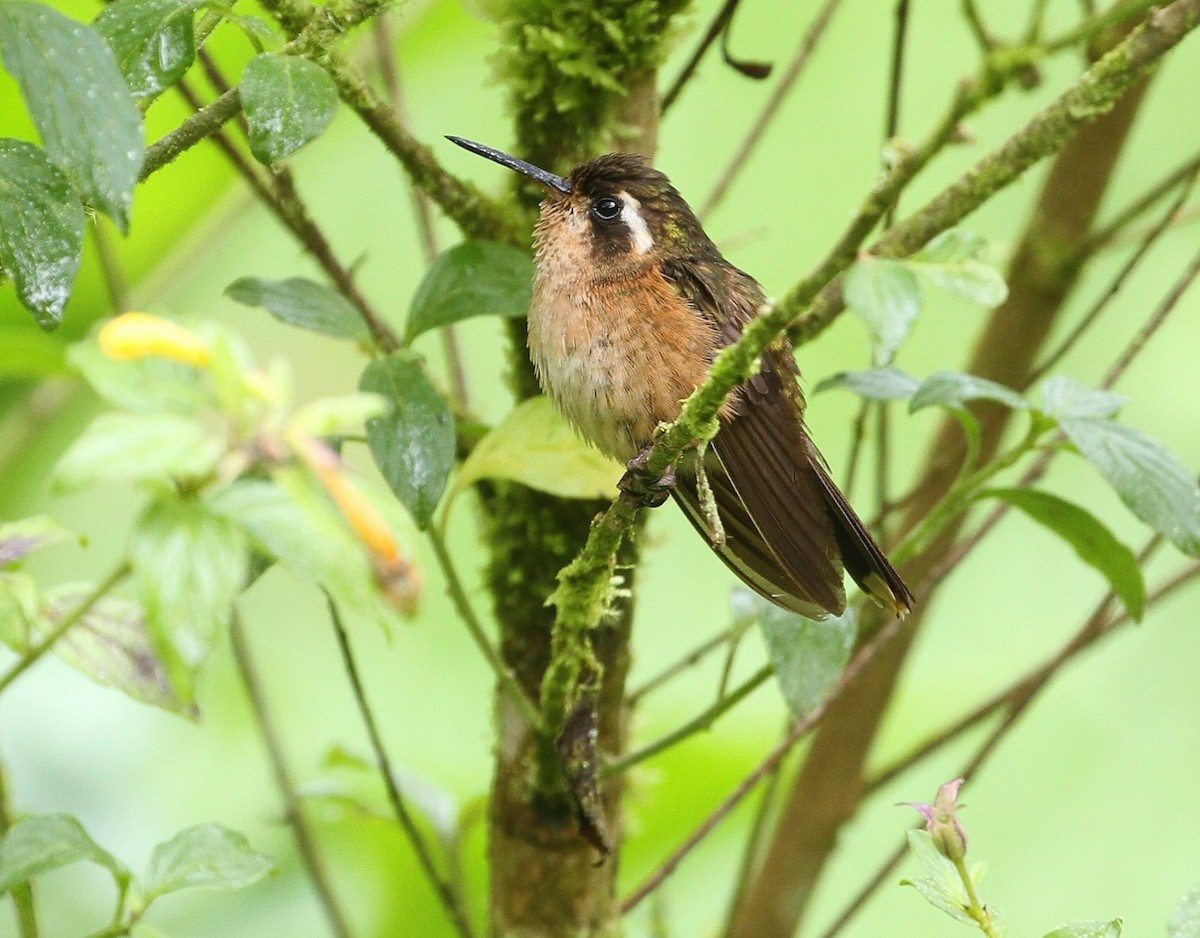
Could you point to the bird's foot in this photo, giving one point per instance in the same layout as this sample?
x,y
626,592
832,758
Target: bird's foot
x,y
649,491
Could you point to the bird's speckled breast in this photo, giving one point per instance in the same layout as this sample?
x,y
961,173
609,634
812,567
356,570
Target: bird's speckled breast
x,y
617,352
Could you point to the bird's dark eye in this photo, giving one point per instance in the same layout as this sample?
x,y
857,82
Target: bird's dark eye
x,y
606,209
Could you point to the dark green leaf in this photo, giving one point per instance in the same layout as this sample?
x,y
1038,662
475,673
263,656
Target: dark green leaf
x,y
35,845
535,446
1093,929
206,856
154,41
288,101
112,646
18,539
885,294
807,655
41,229
413,445
1148,477
138,447
1066,398
189,564
303,303
875,384
941,885
1185,919
474,278
78,100
1091,540
951,261
954,389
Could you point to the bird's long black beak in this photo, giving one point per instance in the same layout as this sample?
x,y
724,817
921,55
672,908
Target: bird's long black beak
x,y
533,172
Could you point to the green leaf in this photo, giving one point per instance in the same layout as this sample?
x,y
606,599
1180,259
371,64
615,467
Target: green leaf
x,y
413,445
288,101
1090,539
475,278
154,41
294,522
78,100
875,384
303,303
111,645
18,539
942,887
535,446
1065,398
46,842
140,448
189,564
954,389
1092,929
951,261
1149,478
206,856
19,604
1185,919
807,655
884,293
41,229
336,416
146,385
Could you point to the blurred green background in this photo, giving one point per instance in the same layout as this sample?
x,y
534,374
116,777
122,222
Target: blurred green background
x,y
1087,811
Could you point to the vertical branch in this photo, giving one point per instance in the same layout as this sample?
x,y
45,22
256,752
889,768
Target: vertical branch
x,y
828,790
22,893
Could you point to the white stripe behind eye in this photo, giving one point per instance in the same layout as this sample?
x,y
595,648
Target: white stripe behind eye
x,y
631,214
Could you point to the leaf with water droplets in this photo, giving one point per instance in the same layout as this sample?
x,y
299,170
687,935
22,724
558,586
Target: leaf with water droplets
x,y
78,100
154,41
41,230
288,101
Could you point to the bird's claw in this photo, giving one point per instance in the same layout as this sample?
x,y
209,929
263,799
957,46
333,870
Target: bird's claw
x,y
649,491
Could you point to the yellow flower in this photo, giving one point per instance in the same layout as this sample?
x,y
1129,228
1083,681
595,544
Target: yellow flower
x,y
139,335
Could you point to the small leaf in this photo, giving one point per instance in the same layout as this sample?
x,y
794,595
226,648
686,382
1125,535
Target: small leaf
x,y
138,447
884,293
45,842
111,646
954,389
807,655
1092,929
154,41
189,564
875,384
1185,919
475,278
1066,398
1090,539
18,539
41,229
78,100
303,303
535,446
941,886
413,445
206,856
1148,477
146,385
288,101
951,261
335,416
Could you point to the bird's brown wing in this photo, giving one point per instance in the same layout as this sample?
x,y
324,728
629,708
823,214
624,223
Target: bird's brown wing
x,y
788,529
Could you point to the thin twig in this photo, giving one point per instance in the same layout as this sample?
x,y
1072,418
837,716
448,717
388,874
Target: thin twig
x,y
451,900
701,721
32,655
1090,317
1103,236
688,660
769,111
718,25
204,123
293,809
891,122
22,893
978,29
110,267
1120,12
799,730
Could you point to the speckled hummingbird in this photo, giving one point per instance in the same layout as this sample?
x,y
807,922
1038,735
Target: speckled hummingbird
x,y
631,302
